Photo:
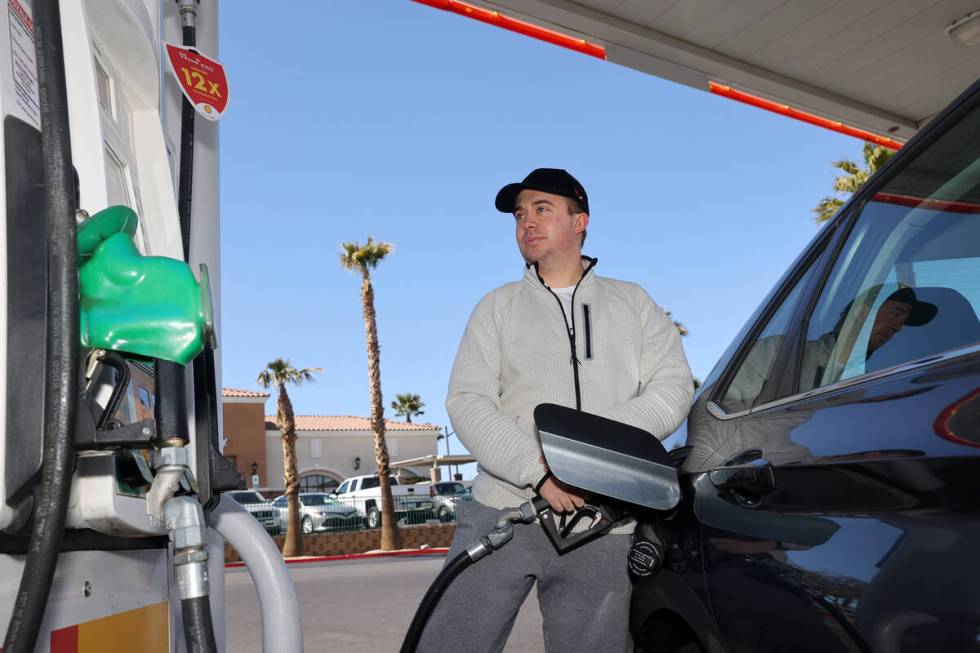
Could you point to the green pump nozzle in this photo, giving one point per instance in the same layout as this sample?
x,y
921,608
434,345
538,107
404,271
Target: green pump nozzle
x,y
145,305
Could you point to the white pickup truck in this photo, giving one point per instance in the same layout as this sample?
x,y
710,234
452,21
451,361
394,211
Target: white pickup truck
x,y
364,493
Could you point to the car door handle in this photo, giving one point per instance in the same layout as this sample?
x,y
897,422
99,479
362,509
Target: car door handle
x,y
751,481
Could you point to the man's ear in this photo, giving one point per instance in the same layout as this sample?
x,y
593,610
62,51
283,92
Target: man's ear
x,y
581,222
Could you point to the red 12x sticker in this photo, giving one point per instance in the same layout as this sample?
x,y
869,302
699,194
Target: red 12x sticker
x,y
202,80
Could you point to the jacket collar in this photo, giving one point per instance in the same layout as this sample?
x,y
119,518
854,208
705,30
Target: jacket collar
x,y
531,272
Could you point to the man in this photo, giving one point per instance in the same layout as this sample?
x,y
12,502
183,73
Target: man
x,y
567,336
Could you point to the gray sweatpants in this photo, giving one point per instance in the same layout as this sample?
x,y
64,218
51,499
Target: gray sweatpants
x,y
584,595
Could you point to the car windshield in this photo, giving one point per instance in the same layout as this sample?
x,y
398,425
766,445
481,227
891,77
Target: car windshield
x,y
248,497
370,482
317,500
452,488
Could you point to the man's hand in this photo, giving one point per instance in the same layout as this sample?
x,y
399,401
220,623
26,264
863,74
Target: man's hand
x,y
561,497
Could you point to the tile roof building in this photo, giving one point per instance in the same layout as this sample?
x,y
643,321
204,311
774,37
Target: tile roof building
x,y
329,448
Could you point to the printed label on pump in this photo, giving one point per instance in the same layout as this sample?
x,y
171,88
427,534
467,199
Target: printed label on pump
x,y
202,80
23,65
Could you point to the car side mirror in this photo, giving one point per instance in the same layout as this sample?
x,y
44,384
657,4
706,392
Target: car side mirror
x,y
606,457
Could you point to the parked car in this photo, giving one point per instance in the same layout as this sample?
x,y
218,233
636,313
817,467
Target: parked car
x,y
445,497
364,493
258,506
831,473
317,512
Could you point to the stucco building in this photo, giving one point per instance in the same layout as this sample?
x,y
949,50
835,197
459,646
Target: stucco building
x,y
243,413
329,448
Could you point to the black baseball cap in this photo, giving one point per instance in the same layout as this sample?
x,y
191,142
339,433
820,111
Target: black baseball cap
x,y
920,312
547,180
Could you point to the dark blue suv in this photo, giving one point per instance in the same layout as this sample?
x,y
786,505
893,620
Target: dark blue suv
x,y
831,470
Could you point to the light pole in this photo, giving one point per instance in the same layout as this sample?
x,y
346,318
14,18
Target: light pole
x,y
447,433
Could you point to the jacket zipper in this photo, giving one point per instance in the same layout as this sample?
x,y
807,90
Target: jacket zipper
x,y
571,332
571,342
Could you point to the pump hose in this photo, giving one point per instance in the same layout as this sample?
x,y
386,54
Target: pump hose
x,y
198,629
61,357
431,599
185,181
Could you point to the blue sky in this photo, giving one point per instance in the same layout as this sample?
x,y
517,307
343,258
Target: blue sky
x,y
350,118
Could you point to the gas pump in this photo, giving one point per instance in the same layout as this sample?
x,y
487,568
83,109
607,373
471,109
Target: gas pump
x,y
110,511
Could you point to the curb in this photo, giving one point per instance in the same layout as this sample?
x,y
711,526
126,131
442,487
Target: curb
x,y
434,551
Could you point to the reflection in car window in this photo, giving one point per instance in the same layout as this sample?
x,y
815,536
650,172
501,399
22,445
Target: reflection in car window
x,y
247,497
907,283
754,370
450,488
316,500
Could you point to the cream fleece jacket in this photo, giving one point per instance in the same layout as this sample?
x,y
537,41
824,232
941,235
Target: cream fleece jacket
x,y
516,353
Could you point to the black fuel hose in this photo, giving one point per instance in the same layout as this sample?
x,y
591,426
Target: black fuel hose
x,y
196,612
185,182
198,629
449,572
501,534
170,405
61,357
205,392
170,378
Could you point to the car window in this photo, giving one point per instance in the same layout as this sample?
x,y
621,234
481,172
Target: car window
x,y
245,498
343,487
906,284
280,502
315,500
369,482
746,386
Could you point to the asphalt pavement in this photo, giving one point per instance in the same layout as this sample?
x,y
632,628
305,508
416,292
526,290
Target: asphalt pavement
x,y
356,606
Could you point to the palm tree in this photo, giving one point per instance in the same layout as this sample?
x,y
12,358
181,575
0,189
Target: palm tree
x,y
849,183
279,373
364,258
681,329
408,405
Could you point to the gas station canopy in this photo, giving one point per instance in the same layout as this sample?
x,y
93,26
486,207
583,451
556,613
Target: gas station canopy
x,y
433,461
880,66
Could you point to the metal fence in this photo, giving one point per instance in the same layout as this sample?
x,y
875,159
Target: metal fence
x,y
322,513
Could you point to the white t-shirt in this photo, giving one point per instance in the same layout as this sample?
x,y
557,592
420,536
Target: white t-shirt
x,y
565,295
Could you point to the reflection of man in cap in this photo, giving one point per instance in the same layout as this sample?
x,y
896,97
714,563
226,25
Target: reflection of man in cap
x,y
561,335
901,308
832,357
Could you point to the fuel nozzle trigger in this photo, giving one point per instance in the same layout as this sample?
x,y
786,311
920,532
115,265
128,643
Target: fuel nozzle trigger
x,y
560,528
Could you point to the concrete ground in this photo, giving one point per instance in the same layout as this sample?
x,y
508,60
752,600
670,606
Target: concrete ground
x,y
356,606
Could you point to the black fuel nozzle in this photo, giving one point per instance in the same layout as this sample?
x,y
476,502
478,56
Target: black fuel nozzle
x,y
561,528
